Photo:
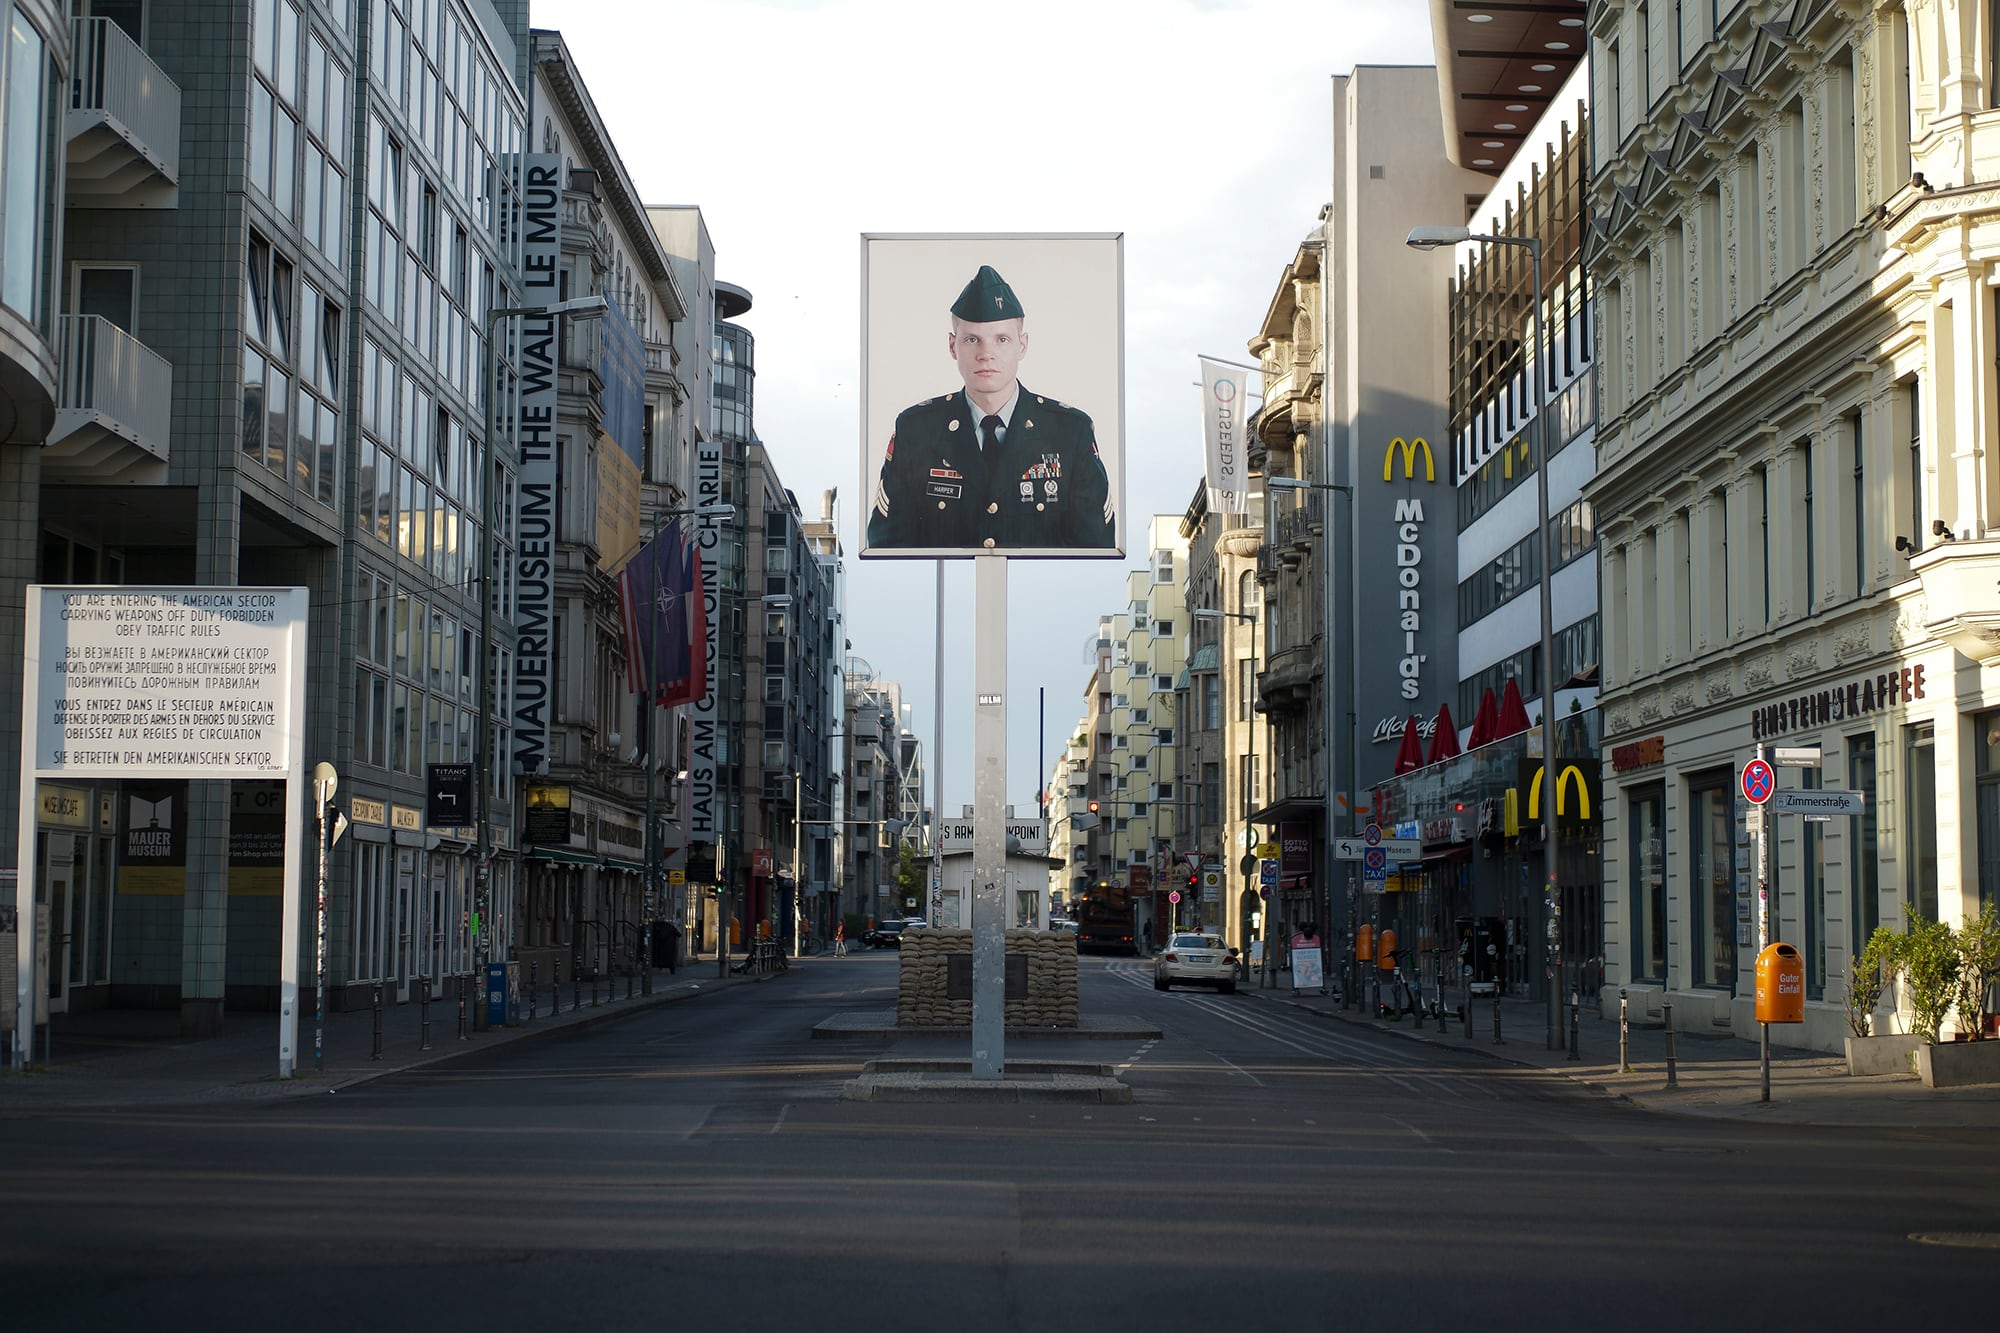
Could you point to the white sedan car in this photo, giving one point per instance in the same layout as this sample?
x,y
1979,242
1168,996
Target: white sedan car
x,y
1196,959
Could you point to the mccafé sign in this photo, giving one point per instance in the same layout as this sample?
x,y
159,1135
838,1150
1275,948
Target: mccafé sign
x,y
1854,699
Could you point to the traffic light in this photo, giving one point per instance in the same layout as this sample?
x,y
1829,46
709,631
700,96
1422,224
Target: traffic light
x,y
1093,807
1194,880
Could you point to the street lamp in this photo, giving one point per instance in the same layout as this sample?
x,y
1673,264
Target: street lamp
x,y
582,307
1269,977
651,895
1327,599
1430,238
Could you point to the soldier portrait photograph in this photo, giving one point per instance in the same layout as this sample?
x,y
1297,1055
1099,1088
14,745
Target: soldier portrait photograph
x,y
1020,455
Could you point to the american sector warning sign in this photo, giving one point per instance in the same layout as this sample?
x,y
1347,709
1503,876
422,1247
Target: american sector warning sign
x,y
167,682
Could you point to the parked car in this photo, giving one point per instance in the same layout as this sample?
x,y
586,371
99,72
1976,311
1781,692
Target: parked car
x,y
1062,925
1197,960
885,935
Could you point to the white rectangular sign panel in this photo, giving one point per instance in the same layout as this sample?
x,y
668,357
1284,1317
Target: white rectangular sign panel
x,y
141,682
1806,801
535,533
1395,849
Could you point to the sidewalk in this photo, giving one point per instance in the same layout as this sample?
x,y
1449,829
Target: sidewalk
x,y
124,1058
1715,1076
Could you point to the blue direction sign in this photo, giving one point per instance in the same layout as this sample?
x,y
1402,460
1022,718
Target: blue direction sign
x,y
1758,782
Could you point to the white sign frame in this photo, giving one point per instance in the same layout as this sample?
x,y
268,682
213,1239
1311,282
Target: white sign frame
x,y
267,624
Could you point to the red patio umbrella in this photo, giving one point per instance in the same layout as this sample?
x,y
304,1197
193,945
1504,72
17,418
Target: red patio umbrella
x,y
1513,719
1410,755
1484,722
1444,741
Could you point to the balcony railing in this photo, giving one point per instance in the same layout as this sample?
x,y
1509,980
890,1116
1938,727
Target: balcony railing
x,y
124,122
114,405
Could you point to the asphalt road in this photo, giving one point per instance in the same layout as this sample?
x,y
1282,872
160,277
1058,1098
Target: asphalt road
x,y
695,1164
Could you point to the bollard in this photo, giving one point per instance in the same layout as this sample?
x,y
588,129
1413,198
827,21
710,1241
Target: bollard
x,y
1574,999
376,1054
576,983
1497,1041
461,1011
593,990
1624,1033
555,986
1667,1012
424,1010
533,968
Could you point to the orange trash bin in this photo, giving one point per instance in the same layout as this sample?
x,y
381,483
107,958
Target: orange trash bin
x,y
1364,943
1781,985
1385,950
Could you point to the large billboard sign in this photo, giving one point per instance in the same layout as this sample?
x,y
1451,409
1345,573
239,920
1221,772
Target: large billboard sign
x,y
992,395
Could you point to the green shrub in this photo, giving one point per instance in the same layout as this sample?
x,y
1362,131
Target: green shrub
x,y
1978,942
1869,976
1928,957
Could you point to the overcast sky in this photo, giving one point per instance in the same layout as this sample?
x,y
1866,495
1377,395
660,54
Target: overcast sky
x,y
1201,131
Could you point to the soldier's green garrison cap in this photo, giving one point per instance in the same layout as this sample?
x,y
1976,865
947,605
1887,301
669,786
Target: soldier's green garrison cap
x,y
987,298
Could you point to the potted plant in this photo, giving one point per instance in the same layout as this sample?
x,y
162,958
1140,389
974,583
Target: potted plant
x,y
1871,1048
1978,969
1936,961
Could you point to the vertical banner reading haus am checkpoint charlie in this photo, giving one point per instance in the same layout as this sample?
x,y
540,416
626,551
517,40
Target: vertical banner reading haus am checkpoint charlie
x,y
992,395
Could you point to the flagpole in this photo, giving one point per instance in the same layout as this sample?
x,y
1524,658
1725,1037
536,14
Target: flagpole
x,y
648,696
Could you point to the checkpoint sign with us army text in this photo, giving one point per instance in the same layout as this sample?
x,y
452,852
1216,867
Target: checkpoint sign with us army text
x,y
150,682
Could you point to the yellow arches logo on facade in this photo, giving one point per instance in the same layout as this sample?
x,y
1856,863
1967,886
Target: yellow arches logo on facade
x,y
1409,448
1562,786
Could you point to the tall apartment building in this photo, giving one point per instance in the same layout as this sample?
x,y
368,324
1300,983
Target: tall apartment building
x,y
873,813
274,353
1796,491
313,354
1223,742
583,876
1478,907
1148,762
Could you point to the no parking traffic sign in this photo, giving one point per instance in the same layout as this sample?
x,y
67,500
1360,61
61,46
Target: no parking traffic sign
x,y
1758,782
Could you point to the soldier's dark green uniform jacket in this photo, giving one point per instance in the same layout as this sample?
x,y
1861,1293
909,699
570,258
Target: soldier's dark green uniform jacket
x,y
1046,487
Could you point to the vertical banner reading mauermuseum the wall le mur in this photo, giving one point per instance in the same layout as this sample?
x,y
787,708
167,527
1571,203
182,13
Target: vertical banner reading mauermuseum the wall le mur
x,y
535,433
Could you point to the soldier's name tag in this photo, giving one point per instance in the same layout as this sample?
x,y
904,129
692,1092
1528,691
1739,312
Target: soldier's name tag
x,y
944,490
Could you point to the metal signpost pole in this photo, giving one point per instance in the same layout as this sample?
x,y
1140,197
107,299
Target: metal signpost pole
x,y
798,899
989,821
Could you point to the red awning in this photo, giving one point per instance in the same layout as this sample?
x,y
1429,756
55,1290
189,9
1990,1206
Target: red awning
x,y
1485,722
1410,755
1513,718
1444,740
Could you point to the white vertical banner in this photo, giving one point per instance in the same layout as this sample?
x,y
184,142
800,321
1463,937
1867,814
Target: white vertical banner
x,y
1224,401
536,533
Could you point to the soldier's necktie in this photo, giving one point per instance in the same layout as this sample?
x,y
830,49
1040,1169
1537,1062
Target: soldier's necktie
x,y
989,433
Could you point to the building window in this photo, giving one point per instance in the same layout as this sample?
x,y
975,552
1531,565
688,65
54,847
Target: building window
x,y
1712,875
1986,769
1649,884
1920,797
1211,702
1863,870
1211,794
1251,800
